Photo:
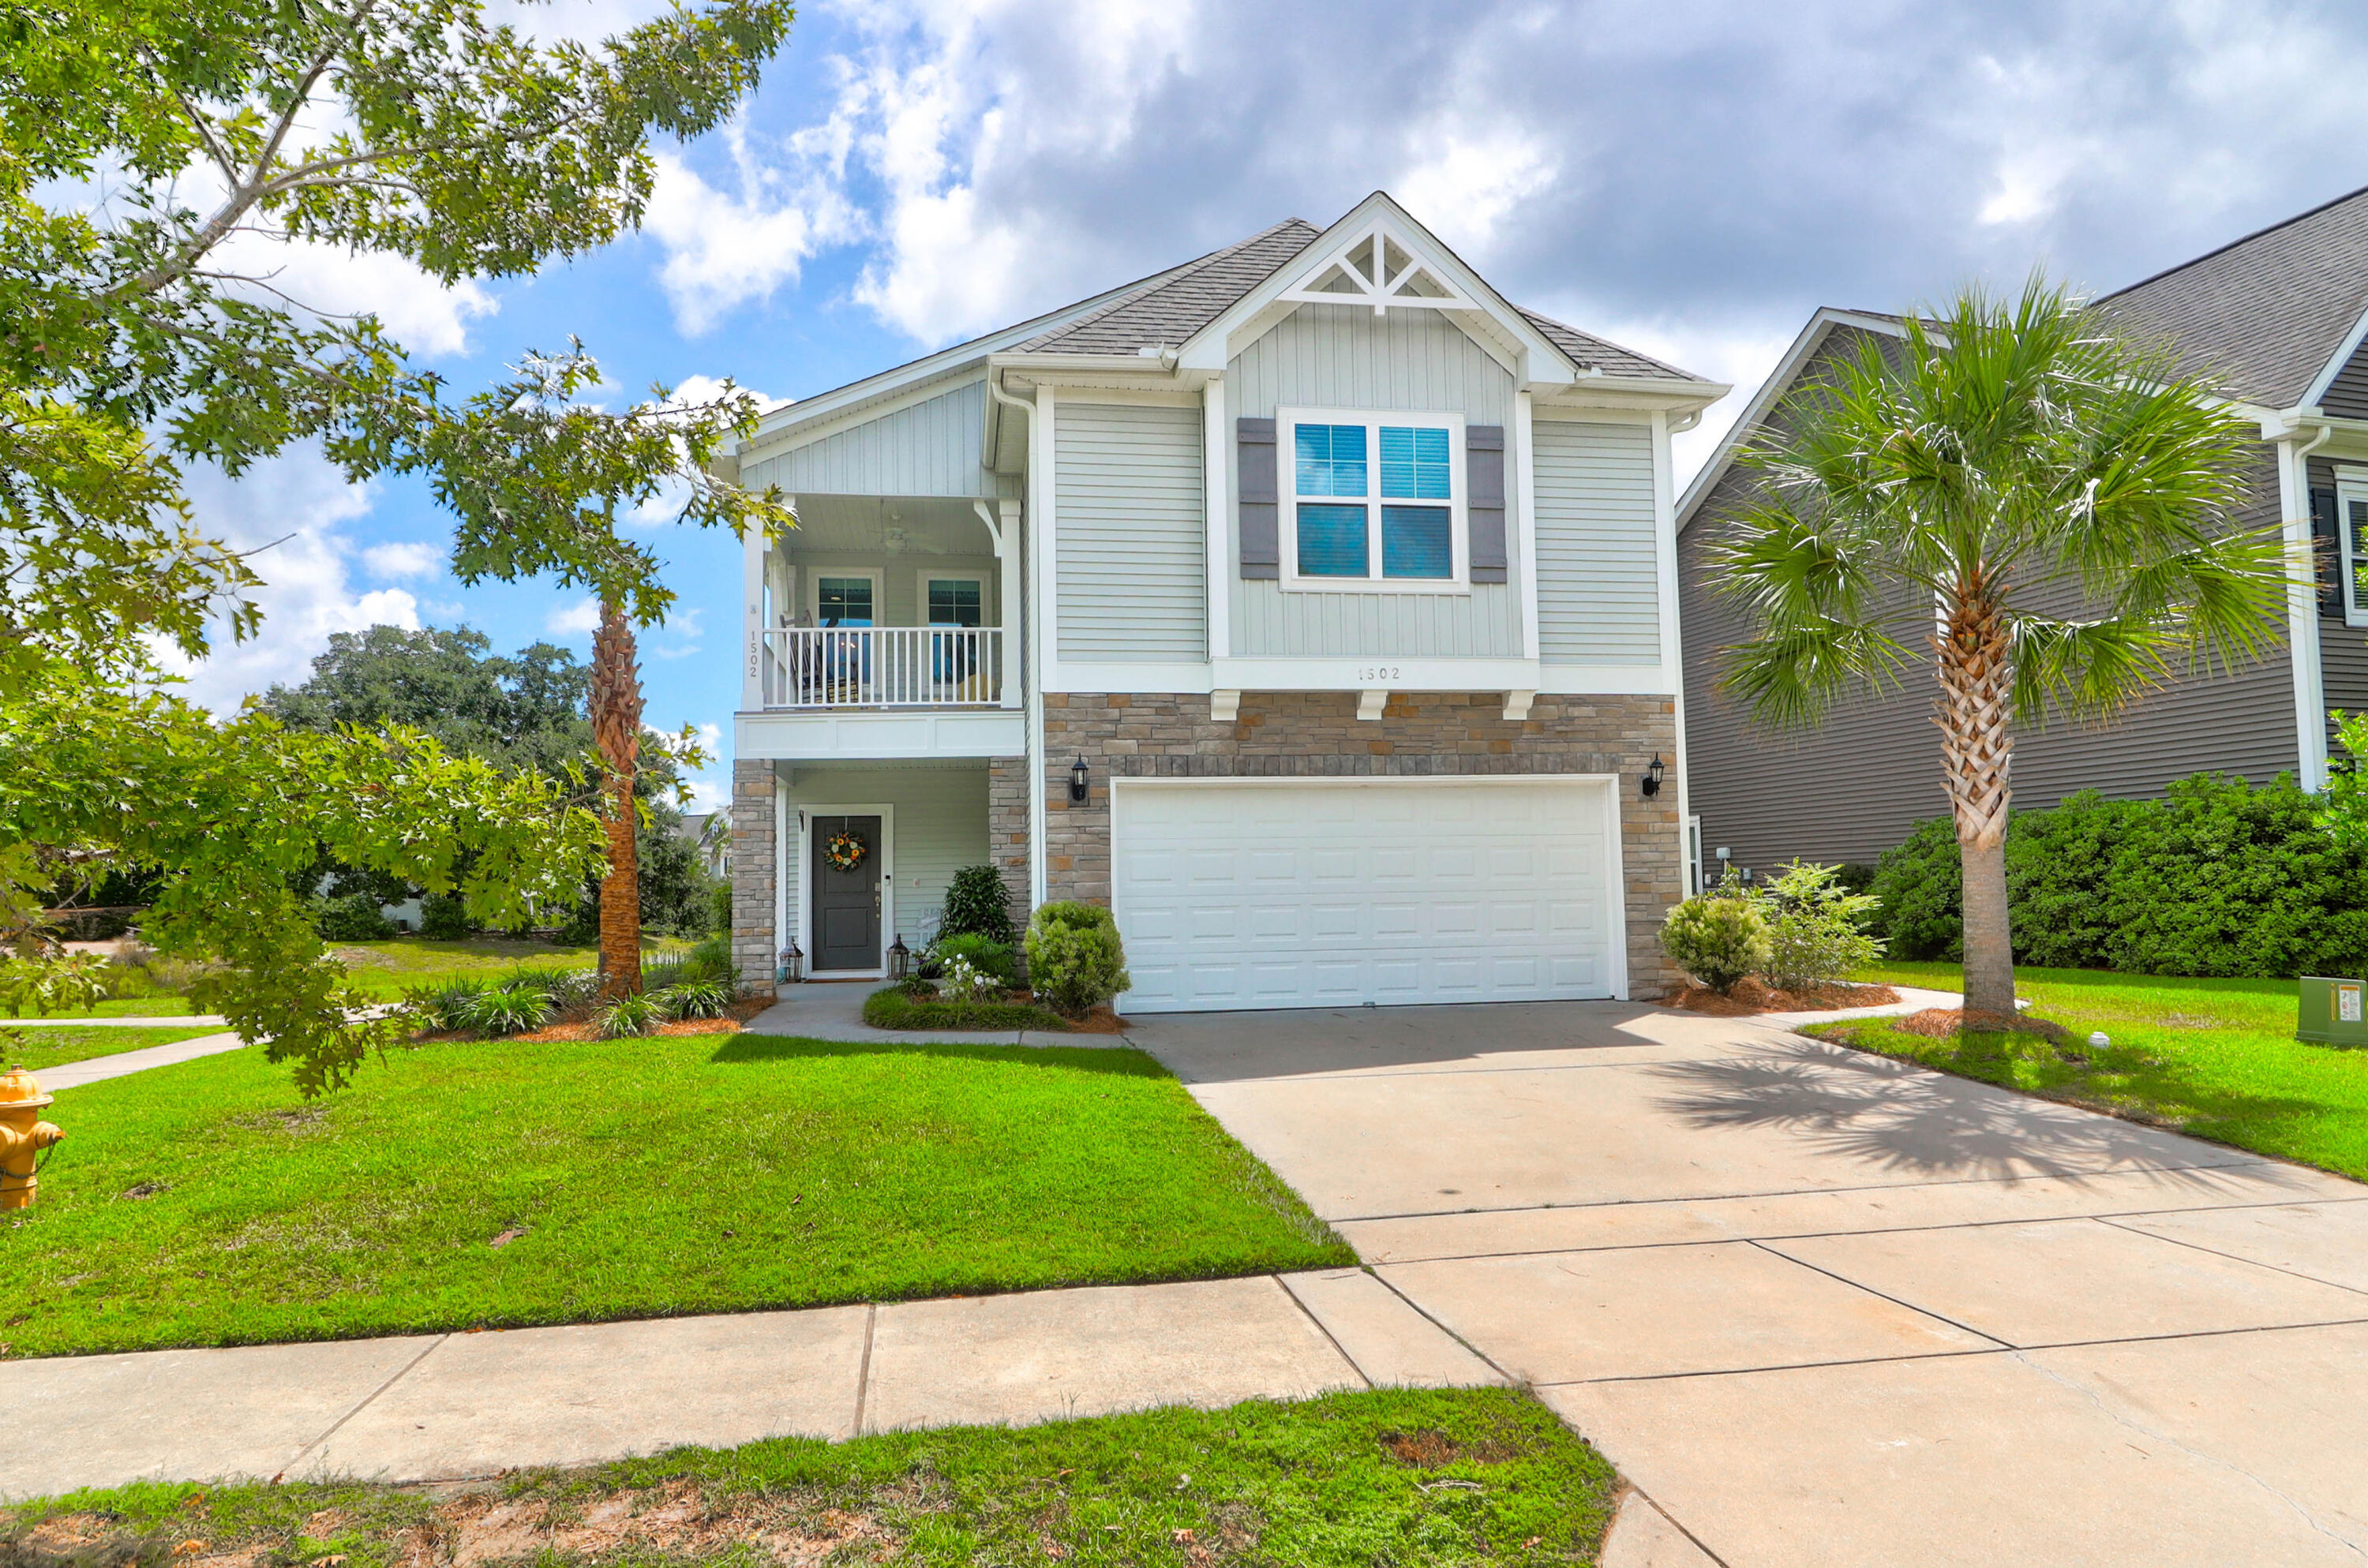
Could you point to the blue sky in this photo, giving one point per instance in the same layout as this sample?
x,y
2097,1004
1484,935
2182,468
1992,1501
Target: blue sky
x,y
1693,180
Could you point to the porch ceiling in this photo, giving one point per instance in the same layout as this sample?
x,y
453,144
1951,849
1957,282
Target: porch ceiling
x,y
919,526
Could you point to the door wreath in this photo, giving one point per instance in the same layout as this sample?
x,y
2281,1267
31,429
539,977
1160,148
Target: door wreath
x,y
845,850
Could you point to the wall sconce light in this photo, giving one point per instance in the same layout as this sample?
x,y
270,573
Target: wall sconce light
x,y
900,959
1651,784
793,966
1079,781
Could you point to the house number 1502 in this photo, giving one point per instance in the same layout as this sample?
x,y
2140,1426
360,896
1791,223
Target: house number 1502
x,y
1371,673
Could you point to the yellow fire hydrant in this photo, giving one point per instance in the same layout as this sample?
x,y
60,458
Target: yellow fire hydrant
x,y
23,1135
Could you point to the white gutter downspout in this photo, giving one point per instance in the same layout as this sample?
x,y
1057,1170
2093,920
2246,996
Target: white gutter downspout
x,y
1030,677
2301,608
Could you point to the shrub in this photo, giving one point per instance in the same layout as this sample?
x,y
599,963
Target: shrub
x,y
964,982
1816,929
444,1008
1717,938
977,904
984,954
1921,887
719,908
2059,863
894,1008
1074,959
695,999
443,918
509,1009
355,917
629,1016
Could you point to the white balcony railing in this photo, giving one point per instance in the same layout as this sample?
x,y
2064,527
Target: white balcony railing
x,y
884,666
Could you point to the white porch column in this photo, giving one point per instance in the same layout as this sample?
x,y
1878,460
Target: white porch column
x,y
1010,565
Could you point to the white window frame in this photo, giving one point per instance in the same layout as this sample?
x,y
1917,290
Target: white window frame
x,y
814,575
925,577
1286,462
2350,485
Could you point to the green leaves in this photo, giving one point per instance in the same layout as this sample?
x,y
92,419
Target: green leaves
x,y
230,812
2020,452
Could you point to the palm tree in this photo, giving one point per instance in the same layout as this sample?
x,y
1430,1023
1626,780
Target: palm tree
x,y
2043,507
616,712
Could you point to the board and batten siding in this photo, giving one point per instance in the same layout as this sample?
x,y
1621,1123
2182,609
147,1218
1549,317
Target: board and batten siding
x,y
1599,588
1129,557
929,447
941,827
1857,783
1346,357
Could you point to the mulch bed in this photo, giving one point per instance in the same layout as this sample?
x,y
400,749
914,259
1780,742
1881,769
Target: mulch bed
x,y
1750,996
734,1018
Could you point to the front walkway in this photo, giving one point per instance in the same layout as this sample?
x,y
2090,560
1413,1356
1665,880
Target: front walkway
x,y
1823,1308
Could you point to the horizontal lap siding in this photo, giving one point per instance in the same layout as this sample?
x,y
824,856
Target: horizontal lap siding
x,y
2347,394
1129,519
1346,357
1599,588
941,827
925,449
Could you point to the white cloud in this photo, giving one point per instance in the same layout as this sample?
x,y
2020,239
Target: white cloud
x,y
407,557
678,637
725,249
288,509
582,618
1476,181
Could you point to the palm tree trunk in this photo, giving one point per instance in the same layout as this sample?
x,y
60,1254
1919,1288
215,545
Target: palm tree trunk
x,y
1974,660
617,731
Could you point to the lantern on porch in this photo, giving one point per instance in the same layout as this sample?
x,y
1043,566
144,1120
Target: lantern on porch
x,y
900,959
793,966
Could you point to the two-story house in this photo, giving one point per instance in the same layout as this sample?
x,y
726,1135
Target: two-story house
x,y
2279,319
1309,603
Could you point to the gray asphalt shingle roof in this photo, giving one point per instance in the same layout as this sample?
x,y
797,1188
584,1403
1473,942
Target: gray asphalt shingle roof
x,y
1164,311
2264,313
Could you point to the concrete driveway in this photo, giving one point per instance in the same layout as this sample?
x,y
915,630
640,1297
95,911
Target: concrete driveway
x,y
1824,1309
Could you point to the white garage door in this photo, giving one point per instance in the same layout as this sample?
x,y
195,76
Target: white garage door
x,y
1316,893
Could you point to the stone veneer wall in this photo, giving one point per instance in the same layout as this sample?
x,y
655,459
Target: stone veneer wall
x,y
1007,829
753,945
1299,734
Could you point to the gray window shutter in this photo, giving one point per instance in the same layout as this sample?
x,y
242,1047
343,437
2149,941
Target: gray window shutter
x,y
1254,463
2327,544
1483,499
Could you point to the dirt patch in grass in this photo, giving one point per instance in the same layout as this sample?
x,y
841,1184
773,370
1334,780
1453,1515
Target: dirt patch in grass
x,y
1751,997
1940,1023
1433,1450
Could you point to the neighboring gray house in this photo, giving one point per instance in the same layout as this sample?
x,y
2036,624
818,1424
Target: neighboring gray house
x,y
1309,603
2279,316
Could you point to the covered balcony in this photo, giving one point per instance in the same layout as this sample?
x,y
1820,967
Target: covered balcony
x,y
885,603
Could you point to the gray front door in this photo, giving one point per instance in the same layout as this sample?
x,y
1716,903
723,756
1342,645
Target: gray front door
x,y
846,903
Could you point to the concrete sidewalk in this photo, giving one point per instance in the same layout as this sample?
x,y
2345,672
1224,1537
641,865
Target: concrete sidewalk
x,y
97,1069
462,1404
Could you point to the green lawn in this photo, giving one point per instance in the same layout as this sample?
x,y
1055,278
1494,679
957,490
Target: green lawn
x,y
130,1008
206,1204
49,1044
1472,1476
388,968
2215,1058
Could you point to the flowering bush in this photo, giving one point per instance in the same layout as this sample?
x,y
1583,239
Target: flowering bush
x,y
965,981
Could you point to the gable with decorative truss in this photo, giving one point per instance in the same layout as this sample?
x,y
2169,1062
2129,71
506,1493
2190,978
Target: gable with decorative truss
x,y
1375,268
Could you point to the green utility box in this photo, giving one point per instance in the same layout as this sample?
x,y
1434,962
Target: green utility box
x,y
2333,1012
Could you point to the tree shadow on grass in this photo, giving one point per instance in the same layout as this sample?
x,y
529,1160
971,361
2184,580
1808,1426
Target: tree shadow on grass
x,y
1116,1061
1890,1115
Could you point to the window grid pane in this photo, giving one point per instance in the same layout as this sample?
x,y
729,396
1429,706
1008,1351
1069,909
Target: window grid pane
x,y
1332,541
1417,541
1414,463
1330,459
845,601
953,603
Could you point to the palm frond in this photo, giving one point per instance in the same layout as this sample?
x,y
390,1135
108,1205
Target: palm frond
x,y
2087,669
1791,677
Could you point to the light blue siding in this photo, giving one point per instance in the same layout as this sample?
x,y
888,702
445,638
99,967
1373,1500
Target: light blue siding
x,y
929,447
941,827
1128,527
1598,593
1346,357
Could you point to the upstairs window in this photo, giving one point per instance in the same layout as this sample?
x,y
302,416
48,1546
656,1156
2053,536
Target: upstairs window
x,y
1373,500
954,601
2351,533
843,602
